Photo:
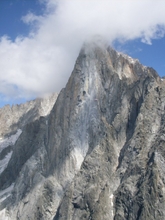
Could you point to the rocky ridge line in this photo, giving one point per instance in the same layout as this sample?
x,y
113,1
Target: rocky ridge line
x,y
99,154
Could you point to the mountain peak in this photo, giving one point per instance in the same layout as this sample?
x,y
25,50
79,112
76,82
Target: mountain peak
x,y
125,66
99,153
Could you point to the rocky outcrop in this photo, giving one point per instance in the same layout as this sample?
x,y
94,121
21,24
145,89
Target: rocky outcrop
x,y
13,120
16,117
100,152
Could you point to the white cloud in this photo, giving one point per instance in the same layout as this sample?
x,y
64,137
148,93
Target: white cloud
x,y
42,62
30,18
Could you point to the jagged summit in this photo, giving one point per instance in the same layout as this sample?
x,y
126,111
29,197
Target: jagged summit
x,y
99,153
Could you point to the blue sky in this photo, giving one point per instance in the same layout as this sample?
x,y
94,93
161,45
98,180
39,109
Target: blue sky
x,y
152,55
12,25
11,13
38,36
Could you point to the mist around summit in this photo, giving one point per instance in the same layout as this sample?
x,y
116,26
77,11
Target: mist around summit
x,y
94,152
41,62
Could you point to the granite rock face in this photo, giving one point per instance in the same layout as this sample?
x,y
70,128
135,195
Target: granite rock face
x,y
17,116
100,152
14,120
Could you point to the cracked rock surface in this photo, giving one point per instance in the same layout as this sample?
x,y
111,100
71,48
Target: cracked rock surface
x,y
99,154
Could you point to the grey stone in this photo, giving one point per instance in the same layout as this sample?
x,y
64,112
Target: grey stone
x,y
100,154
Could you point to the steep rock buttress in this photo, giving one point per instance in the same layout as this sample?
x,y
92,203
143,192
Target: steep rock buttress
x,y
99,154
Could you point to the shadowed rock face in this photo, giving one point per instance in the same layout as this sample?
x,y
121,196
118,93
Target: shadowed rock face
x,y
100,153
17,116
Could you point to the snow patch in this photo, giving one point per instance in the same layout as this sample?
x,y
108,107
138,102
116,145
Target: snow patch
x,y
4,162
111,197
3,215
6,192
5,142
130,59
78,157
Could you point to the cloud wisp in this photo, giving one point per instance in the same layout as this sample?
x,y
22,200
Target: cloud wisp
x,y
42,62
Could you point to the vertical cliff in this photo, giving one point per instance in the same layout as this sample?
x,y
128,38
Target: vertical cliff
x,y
99,154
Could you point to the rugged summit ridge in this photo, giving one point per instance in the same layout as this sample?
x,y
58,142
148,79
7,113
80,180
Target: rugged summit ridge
x,y
99,154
